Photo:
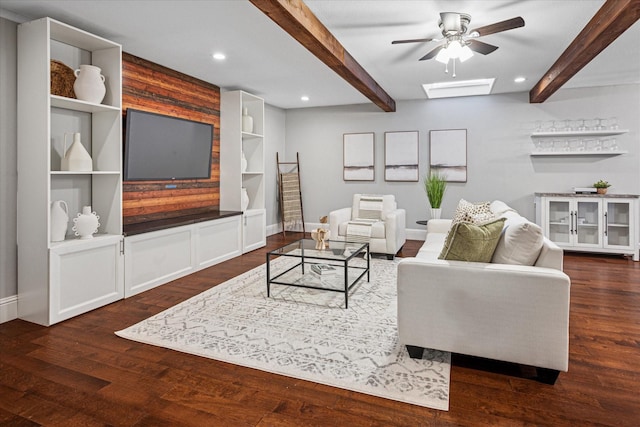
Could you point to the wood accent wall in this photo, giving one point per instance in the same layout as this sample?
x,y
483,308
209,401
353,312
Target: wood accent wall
x,y
151,87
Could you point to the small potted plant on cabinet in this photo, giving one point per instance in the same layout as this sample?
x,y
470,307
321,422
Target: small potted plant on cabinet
x,y
435,185
601,186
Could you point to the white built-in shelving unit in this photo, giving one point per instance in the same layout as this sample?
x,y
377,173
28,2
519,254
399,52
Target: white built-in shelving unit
x,y
233,143
58,280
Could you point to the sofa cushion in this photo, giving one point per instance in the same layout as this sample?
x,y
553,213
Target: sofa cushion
x,y
520,242
499,207
472,212
471,242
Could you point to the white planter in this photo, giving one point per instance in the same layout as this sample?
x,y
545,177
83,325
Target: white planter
x,y
89,84
435,213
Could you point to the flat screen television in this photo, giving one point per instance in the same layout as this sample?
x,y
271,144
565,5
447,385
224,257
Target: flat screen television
x,y
162,148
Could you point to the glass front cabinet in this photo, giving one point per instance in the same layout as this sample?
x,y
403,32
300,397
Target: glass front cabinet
x,y
591,223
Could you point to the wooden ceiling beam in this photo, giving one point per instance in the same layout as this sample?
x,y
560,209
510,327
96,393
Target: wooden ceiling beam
x,y
296,18
613,19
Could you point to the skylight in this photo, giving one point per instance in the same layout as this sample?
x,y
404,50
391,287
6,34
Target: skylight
x,y
458,88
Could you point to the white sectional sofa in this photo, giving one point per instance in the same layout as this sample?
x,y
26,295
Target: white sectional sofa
x,y
509,312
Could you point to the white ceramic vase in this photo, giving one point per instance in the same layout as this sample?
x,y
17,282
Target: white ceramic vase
x,y
59,220
89,84
244,200
243,163
247,121
76,158
435,213
86,223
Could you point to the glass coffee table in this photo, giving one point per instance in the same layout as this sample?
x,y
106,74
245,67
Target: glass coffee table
x,y
331,269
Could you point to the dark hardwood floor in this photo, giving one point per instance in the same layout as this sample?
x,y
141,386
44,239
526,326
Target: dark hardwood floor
x,y
78,373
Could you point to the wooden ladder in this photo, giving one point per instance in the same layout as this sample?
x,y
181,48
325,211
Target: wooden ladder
x,y
290,193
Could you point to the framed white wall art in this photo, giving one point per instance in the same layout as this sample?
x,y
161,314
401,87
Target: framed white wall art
x,y
448,154
359,156
401,156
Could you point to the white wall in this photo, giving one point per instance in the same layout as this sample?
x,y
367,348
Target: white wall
x,y
275,123
498,146
8,173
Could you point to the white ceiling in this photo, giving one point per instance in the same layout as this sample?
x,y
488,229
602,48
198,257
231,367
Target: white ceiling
x,y
264,60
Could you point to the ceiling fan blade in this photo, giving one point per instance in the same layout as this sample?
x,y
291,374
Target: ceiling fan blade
x,y
411,41
509,24
481,47
432,54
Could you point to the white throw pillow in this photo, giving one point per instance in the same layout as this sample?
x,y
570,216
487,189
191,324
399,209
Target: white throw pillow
x,y
520,243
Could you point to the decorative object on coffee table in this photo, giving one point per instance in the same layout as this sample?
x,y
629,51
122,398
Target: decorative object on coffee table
x,y
321,235
601,186
435,186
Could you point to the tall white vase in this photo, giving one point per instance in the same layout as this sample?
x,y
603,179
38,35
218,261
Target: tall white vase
x,y
86,223
247,121
59,220
435,213
89,84
244,200
76,158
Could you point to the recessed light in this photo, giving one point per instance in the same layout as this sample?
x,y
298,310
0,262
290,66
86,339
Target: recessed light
x,y
519,79
219,56
304,98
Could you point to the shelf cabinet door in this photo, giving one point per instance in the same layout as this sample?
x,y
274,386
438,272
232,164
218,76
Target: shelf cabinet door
x,y
558,222
588,223
619,224
85,276
254,229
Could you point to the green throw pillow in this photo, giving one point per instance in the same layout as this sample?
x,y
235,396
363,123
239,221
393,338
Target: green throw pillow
x,y
470,242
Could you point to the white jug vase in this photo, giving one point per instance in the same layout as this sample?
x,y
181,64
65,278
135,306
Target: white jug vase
x,y
244,201
86,223
247,121
59,220
89,84
76,158
243,163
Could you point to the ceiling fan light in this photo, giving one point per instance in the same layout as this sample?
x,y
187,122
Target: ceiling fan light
x,y
443,56
465,53
454,49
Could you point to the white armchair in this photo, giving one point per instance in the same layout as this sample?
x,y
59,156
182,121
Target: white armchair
x,y
387,235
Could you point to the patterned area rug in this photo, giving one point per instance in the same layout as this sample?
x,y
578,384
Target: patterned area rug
x,y
306,334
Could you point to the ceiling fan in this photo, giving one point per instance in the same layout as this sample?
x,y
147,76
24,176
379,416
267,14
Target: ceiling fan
x,y
458,42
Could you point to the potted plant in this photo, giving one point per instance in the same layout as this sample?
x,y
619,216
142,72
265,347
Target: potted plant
x,y
435,185
601,186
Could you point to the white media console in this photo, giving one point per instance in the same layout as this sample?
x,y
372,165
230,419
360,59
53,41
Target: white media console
x,y
153,258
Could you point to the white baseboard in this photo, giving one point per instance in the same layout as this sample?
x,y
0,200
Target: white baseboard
x,y
8,308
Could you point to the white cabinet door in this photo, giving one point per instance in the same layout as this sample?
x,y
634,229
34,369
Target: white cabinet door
x,y
618,224
558,221
218,241
587,223
158,257
85,276
254,230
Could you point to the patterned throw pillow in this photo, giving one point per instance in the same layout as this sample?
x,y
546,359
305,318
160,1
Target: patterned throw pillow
x,y
470,242
474,213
